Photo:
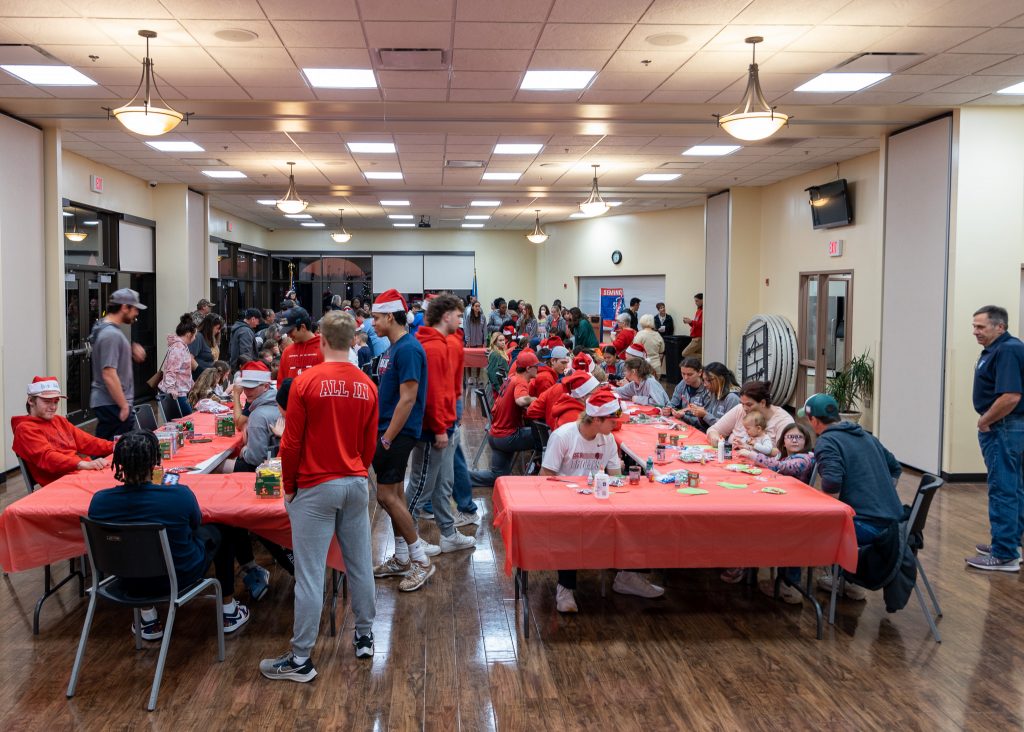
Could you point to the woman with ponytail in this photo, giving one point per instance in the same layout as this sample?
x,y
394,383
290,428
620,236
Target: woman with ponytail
x,y
178,363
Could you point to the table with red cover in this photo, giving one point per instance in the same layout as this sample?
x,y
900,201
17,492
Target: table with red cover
x,y
476,358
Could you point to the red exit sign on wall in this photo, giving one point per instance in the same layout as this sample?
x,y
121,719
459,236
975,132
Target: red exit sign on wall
x,y
96,183
835,248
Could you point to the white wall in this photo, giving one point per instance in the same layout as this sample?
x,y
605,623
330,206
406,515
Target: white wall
x,y
121,192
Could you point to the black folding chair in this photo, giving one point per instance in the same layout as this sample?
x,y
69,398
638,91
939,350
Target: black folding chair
x,y
145,417
485,410
168,407
926,491
120,552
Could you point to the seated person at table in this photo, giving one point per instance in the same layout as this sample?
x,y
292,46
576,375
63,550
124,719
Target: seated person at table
x,y
550,373
623,335
755,396
757,438
641,385
262,414
570,404
205,386
508,435
857,466
580,448
194,545
723,394
49,445
497,361
689,394
613,366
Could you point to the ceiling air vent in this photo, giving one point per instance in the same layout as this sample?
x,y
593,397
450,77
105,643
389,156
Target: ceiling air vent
x,y
879,62
463,163
412,59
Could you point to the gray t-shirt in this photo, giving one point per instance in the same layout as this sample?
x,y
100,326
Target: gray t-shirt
x,y
110,349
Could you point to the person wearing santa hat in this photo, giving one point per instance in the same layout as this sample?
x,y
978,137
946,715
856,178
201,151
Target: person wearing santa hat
x,y
402,377
642,386
577,449
583,361
568,406
550,373
258,416
508,435
48,444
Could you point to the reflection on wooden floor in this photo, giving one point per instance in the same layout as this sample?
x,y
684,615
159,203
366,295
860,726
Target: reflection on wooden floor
x,y
452,656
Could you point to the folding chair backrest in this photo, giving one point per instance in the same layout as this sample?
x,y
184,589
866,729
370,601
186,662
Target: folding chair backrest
x,y
541,432
926,490
485,407
145,417
128,550
30,482
89,426
169,407
814,475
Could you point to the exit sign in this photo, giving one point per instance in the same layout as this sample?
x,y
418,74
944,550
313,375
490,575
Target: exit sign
x,y
835,248
96,184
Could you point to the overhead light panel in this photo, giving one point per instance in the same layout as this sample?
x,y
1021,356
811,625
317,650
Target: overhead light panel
x,y
174,146
710,151
404,226
313,224
394,203
291,203
342,236
387,175
472,226
400,217
1015,89
509,148
658,177
754,119
479,217
502,176
298,216
140,115
341,78
223,173
48,75
371,147
67,214
578,215
842,82
485,204
556,80
538,235
594,205
266,201
90,223
613,204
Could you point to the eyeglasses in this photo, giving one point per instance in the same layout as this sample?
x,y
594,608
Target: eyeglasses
x,y
795,436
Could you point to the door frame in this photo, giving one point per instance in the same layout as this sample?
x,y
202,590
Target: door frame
x,y
820,360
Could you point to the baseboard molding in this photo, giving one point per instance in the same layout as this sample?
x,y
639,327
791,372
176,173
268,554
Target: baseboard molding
x,y
964,477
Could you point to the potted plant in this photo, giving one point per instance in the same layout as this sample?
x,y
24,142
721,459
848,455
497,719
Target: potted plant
x,y
853,386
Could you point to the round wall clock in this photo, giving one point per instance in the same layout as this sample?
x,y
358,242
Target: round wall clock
x,y
616,257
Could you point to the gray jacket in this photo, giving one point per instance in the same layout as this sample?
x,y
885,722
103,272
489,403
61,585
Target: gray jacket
x,y
242,346
263,414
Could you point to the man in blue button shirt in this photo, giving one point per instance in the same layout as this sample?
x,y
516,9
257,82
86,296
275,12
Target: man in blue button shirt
x,y
998,384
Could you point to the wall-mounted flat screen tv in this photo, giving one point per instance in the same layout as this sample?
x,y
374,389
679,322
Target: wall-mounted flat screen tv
x,y
830,205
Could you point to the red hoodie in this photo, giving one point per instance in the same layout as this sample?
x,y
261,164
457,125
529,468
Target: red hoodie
x,y
439,412
622,341
457,359
51,448
540,408
546,376
565,410
298,357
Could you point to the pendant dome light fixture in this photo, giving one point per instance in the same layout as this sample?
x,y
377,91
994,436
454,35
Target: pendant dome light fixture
x,y
75,235
141,116
341,237
754,119
291,203
538,235
594,205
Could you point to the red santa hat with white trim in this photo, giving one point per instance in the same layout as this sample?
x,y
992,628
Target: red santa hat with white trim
x,y
583,362
45,386
580,383
636,350
390,301
254,373
603,403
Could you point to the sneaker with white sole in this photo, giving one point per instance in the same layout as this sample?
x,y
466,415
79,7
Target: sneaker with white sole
x,y
987,561
257,582
431,550
363,645
285,668
565,600
423,513
234,621
631,583
152,630
391,567
417,576
983,548
466,519
787,594
850,590
456,542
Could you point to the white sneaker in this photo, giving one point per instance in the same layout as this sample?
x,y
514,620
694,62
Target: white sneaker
x,y
631,583
431,550
565,600
787,594
850,590
466,519
456,542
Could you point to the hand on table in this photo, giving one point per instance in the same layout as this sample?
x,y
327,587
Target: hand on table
x,y
697,411
744,453
97,464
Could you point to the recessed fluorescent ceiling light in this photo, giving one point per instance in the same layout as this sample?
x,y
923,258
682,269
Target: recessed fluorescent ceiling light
x,y
371,147
654,177
383,176
48,75
403,226
341,78
67,213
394,203
1015,89
172,146
266,201
400,216
580,215
297,216
613,203
486,204
223,174
556,80
840,82
502,176
90,223
508,148
480,217
711,150
472,226
312,224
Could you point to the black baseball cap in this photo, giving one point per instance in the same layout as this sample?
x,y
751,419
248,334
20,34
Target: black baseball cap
x,y
252,313
294,318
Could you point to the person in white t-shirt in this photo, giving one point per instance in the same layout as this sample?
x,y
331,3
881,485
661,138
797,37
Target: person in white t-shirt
x,y
577,449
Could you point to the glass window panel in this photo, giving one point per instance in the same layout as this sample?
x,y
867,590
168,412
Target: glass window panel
x,y
79,222
811,333
242,265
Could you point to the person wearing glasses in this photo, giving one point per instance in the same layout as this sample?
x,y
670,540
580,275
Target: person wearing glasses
x,y
723,395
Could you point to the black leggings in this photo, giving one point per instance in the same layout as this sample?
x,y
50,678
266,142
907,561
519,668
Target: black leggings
x,y
221,543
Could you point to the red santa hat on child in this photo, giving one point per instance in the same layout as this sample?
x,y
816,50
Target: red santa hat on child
x,y
45,386
254,373
603,403
390,301
583,362
580,383
636,350
552,342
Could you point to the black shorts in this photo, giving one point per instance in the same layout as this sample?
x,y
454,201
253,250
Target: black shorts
x,y
390,464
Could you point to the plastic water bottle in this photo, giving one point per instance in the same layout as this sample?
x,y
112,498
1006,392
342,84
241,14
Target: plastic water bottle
x,y
601,485
721,451
650,469
590,479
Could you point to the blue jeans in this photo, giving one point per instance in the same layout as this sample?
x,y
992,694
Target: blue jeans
x,y
184,406
503,452
1002,447
462,491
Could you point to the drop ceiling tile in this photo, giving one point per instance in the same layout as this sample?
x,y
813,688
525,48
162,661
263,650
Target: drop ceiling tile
x,y
348,95
310,9
1007,100
281,78
179,57
415,95
124,31
879,98
598,11
108,57
497,35
221,10
840,38
521,11
914,82
252,58
867,12
976,84
406,9
394,34
467,59
776,37
121,9
809,98
614,96
958,64
720,61
486,80
569,60
694,37
9,36
212,93
773,12
23,91
679,97
926,40
996,40
658,62
283,93
320,34
67,31
331,58
413,79
205,31
791,62
582,36
632,81
180,77
693,11
982,13
115,77
703,81
36,9
1012,67
939,99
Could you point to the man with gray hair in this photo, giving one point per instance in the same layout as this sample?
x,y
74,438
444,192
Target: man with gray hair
x,y
998,384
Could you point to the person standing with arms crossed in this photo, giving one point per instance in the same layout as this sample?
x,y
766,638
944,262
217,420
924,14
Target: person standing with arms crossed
x,y
998,384
402,378
113,379
329,440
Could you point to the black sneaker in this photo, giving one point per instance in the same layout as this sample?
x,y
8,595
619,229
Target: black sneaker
x,y
286,668
152,630
363,644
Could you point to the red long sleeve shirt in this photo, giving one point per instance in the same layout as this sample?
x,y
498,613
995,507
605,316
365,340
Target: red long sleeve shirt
x,y
299,357
540,408
331,426
545,378
439,412
697,324
52,448
623,339
457,360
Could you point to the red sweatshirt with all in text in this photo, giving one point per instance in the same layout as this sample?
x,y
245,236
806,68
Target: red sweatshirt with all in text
x,y
52,448
297,358
439,412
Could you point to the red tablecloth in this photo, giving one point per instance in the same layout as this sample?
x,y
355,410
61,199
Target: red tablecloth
x,y
548,525
190,454
476,358
641,440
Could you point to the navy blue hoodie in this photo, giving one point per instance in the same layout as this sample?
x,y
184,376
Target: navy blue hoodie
x,y
855,465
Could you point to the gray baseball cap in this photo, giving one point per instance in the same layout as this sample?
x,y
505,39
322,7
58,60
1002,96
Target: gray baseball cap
x,y
126,296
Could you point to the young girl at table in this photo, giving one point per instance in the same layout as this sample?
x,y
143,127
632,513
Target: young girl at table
x,y
642,386
577,449
613,366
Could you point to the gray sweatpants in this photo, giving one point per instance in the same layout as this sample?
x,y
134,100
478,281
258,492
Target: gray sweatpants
x,y
335,508
428,465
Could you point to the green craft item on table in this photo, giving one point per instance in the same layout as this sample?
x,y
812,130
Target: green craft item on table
x,y
692,491
732,486
772,489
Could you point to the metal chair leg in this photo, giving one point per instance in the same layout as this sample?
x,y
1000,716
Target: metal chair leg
x,y
162,658
479,452
137,627
77,667
218,609
927,613
835,592
928,586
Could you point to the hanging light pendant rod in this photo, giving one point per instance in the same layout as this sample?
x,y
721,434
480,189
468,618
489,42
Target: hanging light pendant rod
x,y
291,203
754,119
145,118
341,237
594,205
538,235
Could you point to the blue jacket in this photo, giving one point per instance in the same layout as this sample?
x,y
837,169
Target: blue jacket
x,y
857,466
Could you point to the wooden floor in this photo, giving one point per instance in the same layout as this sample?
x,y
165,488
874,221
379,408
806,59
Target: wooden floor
x,y
707,656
